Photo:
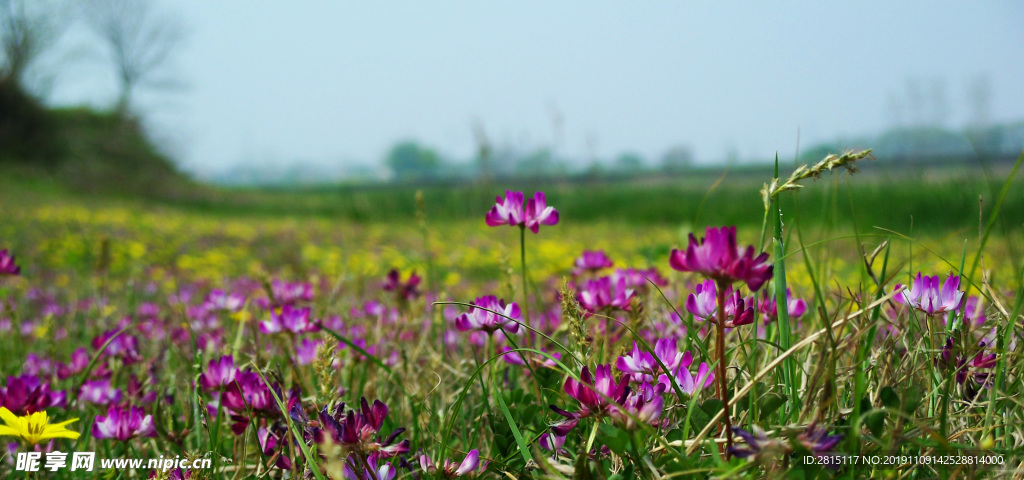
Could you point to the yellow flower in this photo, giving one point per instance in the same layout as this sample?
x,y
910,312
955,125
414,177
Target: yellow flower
x,y
34,427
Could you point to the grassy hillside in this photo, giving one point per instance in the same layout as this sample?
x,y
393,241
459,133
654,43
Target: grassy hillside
x,y
81,149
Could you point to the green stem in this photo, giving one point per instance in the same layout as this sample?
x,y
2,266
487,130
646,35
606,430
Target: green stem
x,y
522,257
723,390
944,415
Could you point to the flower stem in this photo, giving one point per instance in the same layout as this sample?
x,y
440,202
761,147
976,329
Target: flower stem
x,y
593,435
522,257
723,384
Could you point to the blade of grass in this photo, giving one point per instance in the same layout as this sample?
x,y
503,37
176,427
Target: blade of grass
x,y
311,460
524,450
779,282
995,213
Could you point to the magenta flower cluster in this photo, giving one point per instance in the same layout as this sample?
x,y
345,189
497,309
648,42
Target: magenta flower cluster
x,y
718,257
926,295
124,423
511,211
7,265
482,317
358,429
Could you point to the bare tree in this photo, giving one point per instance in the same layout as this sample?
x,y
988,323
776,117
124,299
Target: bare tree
x,y
27,29
140,38
894,109
915,102
484,152
939,102
979,100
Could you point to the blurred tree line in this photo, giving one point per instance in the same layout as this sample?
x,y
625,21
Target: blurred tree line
x,y
410,161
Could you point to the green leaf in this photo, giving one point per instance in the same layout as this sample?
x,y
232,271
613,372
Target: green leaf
x,y
712,406
876,423
769,403
524,450
503,440
703,413
912,399
674,435
889,398
615,438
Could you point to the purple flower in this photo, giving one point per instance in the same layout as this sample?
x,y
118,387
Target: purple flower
x,y
703,305
36,365
358,429
305,350
564,426
973,374
288,318
553,442
506,212
926,295
817,439
717,256
738,311
642,366
596,394
123,424
7,265
373,308
599,294
535,360
643,406
269,440
248,392
974,311
758,445
406,291
123,346
248,396
539,213
450,469
148,310
26,394
688,382
219,373
483,320
591,261
638,279
509,211
768,307
99,392
378,470
285,293
218,300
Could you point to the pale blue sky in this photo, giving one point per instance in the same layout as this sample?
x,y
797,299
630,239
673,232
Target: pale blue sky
x,y
333,82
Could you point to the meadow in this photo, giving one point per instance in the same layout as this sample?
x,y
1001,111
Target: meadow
x,y
632,330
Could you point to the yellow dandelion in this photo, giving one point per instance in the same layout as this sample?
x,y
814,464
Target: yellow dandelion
x,y
34,428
